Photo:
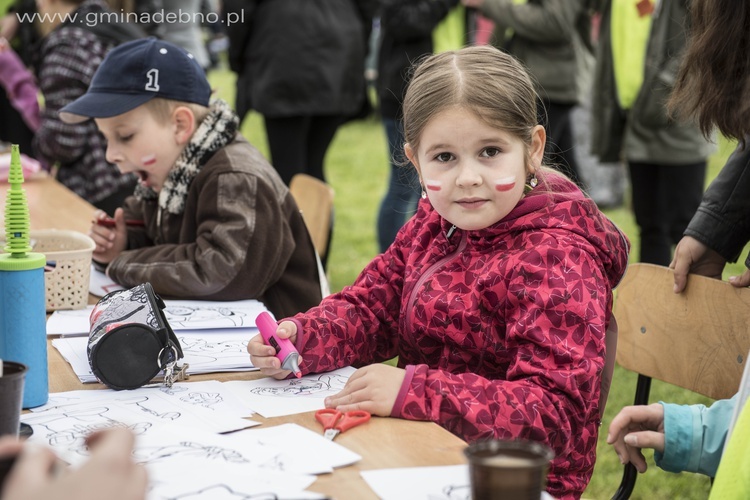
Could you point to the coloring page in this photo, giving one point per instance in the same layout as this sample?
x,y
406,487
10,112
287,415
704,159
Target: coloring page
x,y
426,483
65,428
449,482
202,314
310,453
211,395
205,351
180,314
223,481
275,398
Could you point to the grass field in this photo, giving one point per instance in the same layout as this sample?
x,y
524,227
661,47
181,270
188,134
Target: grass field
x,y
357,168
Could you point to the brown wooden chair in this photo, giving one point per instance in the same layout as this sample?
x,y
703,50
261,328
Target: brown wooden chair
x,y
697,340
315,200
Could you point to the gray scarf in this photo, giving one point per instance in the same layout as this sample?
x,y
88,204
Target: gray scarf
x,y
216,130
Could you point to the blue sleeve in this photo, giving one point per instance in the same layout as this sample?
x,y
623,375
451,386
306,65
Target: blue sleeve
x,y
694,436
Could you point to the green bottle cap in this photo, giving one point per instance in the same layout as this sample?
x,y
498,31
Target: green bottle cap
x,y
17,240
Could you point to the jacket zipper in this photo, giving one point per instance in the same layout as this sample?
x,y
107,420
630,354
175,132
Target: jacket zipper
x,y
430,271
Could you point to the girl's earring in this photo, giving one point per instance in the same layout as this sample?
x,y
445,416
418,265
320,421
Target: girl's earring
x,y
531,183
424,195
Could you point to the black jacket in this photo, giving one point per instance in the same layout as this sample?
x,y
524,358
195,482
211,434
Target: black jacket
x,y
406,35
299,58
722,221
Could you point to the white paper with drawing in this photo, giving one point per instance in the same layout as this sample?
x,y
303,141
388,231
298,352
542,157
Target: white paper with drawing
x,y
222,480
181,315
275,398
450,482
285,448
66,428
210,395
204,350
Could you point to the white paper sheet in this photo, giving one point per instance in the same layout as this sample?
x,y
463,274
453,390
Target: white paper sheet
x,y
205,351
181,315
65,428
100,284
169,480
309,453
306,446
275,398
210,395
449,482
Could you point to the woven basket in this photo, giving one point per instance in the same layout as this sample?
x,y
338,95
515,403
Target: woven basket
x,y
67,283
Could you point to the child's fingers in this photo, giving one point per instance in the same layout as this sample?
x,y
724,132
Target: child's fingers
x,y
287,330
636,458
645,439
10,446
258,349
31,470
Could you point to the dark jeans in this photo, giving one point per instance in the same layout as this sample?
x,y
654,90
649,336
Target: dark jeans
x,y
298,144
559,153
400,201
665,198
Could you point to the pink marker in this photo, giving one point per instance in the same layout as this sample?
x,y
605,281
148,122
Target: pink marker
x,y
285,350
148,160
505,184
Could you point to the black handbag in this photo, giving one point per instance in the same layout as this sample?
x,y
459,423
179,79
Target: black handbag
x,y
130,340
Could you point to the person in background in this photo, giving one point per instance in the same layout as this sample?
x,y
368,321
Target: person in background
x,y
20,87
109,473
71,49
713,84
715,88
301,66
641,44
552,38
495,296
20,116
406,36
214,221
188,35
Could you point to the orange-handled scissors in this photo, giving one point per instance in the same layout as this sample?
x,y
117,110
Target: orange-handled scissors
x,y
334,421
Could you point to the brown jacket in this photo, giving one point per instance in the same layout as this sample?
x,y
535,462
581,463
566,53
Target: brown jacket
x,y
241,236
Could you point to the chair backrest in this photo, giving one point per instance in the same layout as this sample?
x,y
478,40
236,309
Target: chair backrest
x,y
698,339
315,200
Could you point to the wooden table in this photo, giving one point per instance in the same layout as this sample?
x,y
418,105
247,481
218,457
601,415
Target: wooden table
x,y
51,205
382,442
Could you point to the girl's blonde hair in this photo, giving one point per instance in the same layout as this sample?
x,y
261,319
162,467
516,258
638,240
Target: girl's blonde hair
x,y
482,79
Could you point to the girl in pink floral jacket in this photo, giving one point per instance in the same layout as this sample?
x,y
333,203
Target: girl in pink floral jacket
x,y
495,296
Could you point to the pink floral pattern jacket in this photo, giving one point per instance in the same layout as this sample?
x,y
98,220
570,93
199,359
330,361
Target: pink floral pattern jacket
x,y
500,330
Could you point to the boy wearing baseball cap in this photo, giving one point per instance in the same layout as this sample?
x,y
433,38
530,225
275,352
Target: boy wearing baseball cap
x,y
210,218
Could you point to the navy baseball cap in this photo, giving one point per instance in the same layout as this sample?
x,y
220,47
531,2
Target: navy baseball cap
x,y
134,73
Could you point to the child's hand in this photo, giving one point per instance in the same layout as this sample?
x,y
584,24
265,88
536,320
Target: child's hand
x,y
637,427
109,473
110,241
373,388
263,356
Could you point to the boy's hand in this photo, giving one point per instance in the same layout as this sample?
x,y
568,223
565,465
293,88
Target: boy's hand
x,y
263,356
110,241
637,427
373,388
